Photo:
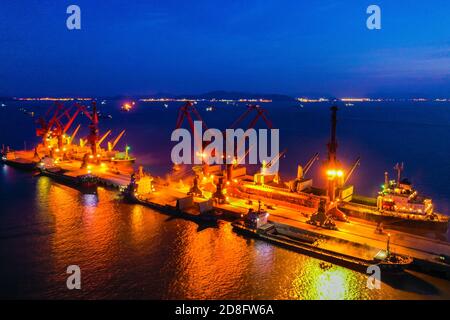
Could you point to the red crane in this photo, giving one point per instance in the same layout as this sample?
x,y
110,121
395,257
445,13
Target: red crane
x,y
185,111
64,122
93,126
189,112
260,113
46,126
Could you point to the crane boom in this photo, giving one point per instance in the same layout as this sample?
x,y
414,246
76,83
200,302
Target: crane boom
x,y
103,137
276,158
309,164
352,169
71,120
260,112
113,144
185,112
74,134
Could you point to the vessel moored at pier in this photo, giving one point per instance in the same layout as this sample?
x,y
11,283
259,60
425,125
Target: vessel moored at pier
x,y
318,246
398,206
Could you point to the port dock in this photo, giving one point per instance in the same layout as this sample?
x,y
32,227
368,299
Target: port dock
x,y
231,194
426,252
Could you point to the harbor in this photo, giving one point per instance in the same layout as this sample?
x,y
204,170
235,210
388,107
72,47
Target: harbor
x,y
225,160
208,194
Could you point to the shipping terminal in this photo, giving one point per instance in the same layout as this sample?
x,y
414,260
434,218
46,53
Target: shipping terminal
x,y
333,224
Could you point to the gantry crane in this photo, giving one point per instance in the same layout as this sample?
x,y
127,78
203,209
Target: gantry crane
x,y
185,111
61,127
46,126
260,113
189,112
60,121
92,138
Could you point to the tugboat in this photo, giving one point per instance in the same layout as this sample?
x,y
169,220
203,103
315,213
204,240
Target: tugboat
x,y
390,262
253,222
398,206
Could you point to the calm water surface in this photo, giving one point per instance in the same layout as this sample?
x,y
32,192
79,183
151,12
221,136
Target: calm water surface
x,y
129,251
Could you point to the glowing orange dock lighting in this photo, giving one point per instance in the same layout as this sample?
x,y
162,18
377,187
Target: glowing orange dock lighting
x,y
332,173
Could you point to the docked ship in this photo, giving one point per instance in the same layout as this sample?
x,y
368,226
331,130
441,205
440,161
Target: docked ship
x,y
142,190
398,206
86,183
256,224
23,160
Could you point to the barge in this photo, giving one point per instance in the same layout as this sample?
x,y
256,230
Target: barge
x,y
314,245
86,183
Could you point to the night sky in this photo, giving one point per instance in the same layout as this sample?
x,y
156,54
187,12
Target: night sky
x,y
291,47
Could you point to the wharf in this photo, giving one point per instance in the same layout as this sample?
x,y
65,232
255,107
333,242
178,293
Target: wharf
x,y
426,252
113,179
429,254
116,178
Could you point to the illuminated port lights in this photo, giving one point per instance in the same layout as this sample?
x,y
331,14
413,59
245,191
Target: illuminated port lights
x,y
127,106
332,173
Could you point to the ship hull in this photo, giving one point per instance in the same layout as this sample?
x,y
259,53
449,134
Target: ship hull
x,y
394,222
303,247
170,210
88,187
22,165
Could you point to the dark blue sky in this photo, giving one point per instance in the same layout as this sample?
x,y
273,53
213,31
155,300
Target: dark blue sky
x,y
193,46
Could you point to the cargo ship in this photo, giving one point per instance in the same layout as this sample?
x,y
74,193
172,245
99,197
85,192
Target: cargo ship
x,y
256,224
22,160
143,190
398,206
86,183
19,163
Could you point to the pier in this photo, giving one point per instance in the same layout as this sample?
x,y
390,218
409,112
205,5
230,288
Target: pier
x,y
230,193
